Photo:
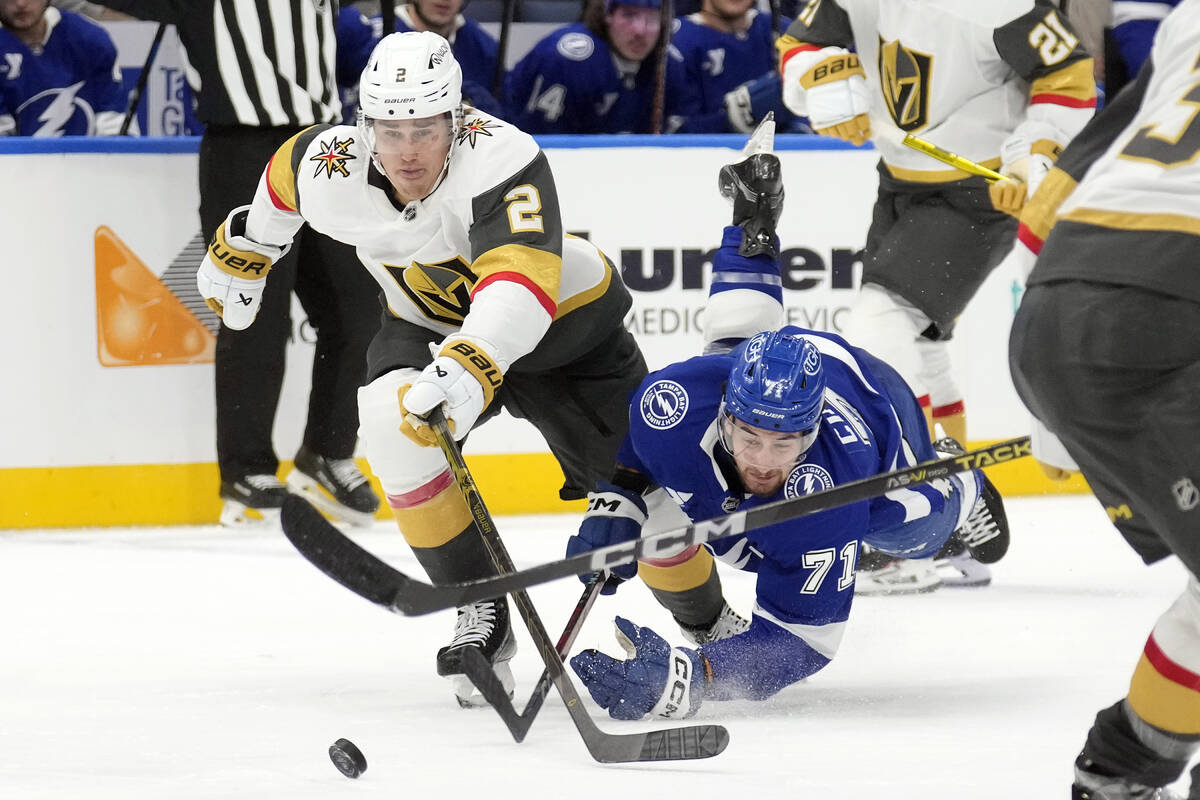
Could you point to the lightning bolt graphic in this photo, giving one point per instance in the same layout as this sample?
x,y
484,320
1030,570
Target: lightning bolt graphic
x,y
59,112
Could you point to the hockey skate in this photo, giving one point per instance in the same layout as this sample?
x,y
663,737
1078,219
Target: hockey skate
x,y
335,486
958,569
728,623
755,185
985,531
1094,786
252,501
879,574
484,625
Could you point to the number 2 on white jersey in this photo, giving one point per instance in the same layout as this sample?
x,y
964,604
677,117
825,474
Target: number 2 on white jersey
x,y
524,203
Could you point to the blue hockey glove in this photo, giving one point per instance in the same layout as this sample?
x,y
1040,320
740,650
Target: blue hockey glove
x,y
614,515
656,679
749,103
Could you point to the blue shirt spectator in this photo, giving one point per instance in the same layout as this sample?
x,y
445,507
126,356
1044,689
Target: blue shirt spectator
x,y
596,76
58,73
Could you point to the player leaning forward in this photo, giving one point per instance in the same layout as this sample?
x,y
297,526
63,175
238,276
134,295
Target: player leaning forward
x,y
784,413
487,302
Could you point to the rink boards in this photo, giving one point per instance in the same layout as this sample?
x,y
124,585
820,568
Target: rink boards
x,y
108,414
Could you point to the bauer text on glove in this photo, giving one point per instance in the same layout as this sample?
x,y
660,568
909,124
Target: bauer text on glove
x,y
829,87
233,274
463,380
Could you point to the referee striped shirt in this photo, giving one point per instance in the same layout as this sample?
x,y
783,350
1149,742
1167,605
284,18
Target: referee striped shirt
x,y
261,63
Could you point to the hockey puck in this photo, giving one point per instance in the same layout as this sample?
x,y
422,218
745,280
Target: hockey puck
x,y
346,756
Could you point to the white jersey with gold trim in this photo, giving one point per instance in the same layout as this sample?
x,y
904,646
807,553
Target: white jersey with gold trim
x,y
1149,177
959,73
493,220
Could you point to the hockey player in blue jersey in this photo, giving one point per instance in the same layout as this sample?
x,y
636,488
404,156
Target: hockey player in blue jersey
x,y
58,74
728,52
785,413
596,76
474,48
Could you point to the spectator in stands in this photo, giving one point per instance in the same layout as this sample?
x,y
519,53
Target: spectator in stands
x,y
58,73
598,75
728,50
356,37
474,48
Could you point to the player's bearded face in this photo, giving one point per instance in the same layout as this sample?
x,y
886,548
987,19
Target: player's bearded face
x,y
633,30
413,153
763,458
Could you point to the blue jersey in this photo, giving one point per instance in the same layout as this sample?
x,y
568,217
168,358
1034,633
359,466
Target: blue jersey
x,y
715,63
570,83
1133,28
476,53
356,39
871,424
68,87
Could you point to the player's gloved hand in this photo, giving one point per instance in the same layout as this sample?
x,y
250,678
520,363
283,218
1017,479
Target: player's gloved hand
x,y
1026,156
1050,454
1022,178
656,679
614,515
463,380
748,104
233,274
829,87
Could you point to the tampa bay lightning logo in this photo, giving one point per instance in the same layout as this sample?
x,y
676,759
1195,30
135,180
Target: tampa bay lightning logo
x,y
59,112
807,479
664,404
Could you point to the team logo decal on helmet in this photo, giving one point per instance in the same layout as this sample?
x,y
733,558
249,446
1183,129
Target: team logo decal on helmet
x,y
664,404
333,158
807,479
776,383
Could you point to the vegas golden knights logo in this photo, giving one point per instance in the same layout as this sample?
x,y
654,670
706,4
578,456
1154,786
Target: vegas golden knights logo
x,y
904,76
440,291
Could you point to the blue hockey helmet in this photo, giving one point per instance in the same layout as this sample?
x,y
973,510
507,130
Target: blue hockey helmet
x,y
777,383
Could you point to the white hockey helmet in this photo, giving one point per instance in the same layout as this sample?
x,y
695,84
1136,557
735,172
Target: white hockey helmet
x,y
410,75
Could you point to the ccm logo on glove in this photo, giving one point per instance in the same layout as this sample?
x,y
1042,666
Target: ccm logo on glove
x,y
677,689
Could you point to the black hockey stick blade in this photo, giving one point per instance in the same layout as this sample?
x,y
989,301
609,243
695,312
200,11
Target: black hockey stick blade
x,y
413,597
671,744
480,673
338,556
363,573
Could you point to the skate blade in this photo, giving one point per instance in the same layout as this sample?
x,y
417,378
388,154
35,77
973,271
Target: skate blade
x,y
469,697
238,515
308,488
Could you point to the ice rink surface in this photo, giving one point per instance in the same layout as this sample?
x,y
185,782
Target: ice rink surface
x,y
203,663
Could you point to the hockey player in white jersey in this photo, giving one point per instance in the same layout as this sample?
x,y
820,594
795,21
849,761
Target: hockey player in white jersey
x,y
1105,350
1005,84
487,303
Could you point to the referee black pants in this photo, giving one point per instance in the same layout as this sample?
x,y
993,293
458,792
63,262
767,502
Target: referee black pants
x,y
337,293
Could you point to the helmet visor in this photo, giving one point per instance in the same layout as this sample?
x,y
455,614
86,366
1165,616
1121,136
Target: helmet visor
x,y
426,134
761,448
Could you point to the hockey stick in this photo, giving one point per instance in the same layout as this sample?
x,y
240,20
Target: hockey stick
x,y
697,741
387,17
363,573
506,21
480,672
135,96
658,109
945,156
